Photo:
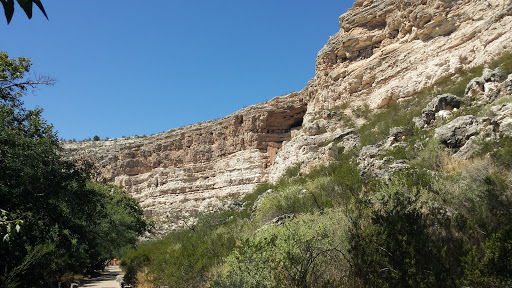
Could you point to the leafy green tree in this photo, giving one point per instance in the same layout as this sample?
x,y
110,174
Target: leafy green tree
x,y
119,224
25,4
67,223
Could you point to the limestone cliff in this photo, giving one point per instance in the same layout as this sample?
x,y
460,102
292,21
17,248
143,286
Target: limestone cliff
x,y
198,167
390,49
385,50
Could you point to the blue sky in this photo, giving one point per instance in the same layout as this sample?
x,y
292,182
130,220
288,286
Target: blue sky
x,y
124,68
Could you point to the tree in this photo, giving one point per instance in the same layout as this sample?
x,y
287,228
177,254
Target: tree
x,y
25,4
67,222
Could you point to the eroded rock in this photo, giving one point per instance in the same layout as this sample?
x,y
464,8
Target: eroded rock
x,y
385,50
503,118
200,167
444,102
455,133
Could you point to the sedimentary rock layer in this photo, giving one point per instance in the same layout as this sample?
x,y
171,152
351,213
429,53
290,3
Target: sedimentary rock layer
x,y
197,167
390,49
385,50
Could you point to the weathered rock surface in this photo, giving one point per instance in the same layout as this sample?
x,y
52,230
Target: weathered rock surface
x,y
385,50
199,167
457,132
390,49
504,118
491,85
444,102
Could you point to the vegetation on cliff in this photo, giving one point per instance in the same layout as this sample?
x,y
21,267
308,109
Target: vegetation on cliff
x,y
54,221
438,221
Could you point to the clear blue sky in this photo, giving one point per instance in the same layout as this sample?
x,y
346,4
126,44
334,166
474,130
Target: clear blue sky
x,y
130,67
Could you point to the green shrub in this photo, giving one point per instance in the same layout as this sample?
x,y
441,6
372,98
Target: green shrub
x,y
333,184
292,171
504,62
503,100
503,154
430,156
499,150
183,258
488,262
306,252
290,200
395,245
458,85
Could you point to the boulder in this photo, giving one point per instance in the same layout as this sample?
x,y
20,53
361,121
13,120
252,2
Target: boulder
x,y
503,118
315,128
370,151
495,75
419,122
468,150
326,114
503,90
440,103
475,87
395,135
488,85
444,102
455,133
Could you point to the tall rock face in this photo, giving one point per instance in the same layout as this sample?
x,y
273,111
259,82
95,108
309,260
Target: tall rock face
x,y
199,167
390,49
385,50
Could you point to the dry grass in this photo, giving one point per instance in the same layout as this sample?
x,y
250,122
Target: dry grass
x,y
450,164
144,279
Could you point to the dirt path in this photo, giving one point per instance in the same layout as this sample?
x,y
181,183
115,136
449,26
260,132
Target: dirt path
x,y
107,279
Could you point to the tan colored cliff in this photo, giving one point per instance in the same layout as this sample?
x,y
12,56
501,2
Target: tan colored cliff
x,y
385,50
200,167
390,49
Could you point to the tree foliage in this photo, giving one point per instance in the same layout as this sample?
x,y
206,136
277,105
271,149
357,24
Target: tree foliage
x,y
68,223
26,5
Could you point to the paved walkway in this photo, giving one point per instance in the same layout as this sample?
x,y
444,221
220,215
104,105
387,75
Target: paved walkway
x,y
107,279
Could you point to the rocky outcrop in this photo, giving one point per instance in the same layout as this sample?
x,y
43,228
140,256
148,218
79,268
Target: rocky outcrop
x,y
199,167
386,50
503,118
491,85
445,102
390,49
457,132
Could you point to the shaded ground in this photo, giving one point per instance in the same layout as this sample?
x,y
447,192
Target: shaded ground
x,y
107,279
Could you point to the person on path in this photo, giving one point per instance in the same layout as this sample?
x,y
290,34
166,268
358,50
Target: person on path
x,y
115,261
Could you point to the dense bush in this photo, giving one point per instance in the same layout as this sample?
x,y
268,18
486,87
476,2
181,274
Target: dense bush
x,y
183,258
306,252
399,244
325,187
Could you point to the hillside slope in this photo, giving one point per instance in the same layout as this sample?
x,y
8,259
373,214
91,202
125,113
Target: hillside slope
x,y
385,51
417,194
